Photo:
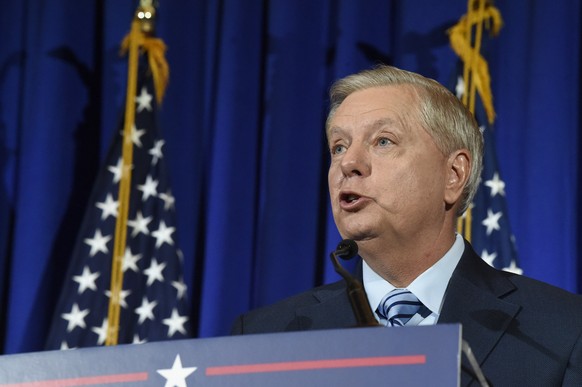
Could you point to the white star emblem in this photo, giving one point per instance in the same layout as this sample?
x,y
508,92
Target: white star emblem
x,y
75,318
156,151
109,207
492,221
176,376
98,243
154,272
86,280
513,268
101,332
496,184
489,258
139,224
164,234
168,199
180,287
121,297
149,188
144,100
146,310
130,261
175,323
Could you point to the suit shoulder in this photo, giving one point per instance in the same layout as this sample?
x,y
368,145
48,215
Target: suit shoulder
x,y
541,292
281,316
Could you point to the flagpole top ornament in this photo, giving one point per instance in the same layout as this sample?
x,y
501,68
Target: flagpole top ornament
x,y
146,15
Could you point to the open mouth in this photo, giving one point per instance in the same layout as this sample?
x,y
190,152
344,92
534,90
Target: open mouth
x,y
349,198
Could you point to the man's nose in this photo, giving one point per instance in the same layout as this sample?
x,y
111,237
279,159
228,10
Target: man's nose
x,y
356,161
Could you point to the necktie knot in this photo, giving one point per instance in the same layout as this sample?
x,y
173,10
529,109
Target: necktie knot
x,y
398,307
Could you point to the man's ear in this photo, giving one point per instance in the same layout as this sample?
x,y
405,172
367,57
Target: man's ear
x,y
458,172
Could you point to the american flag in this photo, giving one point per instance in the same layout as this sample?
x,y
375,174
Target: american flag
x,y
490,229
153,296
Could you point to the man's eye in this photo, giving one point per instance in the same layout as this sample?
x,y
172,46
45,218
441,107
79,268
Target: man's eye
x,y
383,141
336,149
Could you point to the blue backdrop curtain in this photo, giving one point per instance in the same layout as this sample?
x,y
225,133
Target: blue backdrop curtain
x,y
243,122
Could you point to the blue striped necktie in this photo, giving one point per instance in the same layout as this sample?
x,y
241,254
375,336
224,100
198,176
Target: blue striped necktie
x,y
398,307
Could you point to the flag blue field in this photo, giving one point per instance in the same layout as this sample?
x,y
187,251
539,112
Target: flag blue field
x,y
490,228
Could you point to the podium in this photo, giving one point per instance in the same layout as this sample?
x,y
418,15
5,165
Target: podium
x,y
407,356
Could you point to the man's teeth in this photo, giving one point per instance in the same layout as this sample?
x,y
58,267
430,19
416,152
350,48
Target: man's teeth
x,y
351,198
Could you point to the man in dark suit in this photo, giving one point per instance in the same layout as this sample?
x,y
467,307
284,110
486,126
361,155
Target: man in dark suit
x,y
405,164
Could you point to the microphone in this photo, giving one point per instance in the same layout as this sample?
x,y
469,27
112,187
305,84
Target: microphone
x,y
348,249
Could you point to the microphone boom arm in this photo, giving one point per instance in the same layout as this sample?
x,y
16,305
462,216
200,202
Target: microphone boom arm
x,y
356,294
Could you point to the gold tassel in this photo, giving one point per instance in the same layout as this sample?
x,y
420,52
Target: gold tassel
x,y
461,43
476,70
155,49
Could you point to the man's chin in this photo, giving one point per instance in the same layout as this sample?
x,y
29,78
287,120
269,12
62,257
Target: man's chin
x,y
358,234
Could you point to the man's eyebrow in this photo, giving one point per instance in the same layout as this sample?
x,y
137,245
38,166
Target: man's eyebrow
x,y
375,125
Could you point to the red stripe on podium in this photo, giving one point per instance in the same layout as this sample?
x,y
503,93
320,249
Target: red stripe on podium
x,y
316,364
85,381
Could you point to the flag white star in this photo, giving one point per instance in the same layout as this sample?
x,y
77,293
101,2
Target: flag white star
x,y
75,318
137,340
492,221
168,199
64,346
156,151
116,170
108,207
119,170
154,272
176,376
86,280
139,224
496,184
175,323
101,332
513,268
460,87
122,296
149,188
489,258
98,243
144,100
130,261
164,234
180,287
135,136
146,310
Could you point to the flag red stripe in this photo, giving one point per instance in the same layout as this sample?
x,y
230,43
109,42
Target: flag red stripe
x,y
316,364
86,381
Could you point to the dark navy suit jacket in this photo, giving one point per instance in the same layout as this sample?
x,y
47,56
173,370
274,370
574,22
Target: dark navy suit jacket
x,y
523,332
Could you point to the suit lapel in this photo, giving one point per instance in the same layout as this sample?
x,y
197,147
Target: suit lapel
x,y
474,299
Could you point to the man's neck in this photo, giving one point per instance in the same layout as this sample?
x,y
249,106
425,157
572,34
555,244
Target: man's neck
x,y
400,264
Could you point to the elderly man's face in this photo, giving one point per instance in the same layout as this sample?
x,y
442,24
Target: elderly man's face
x,y
387,178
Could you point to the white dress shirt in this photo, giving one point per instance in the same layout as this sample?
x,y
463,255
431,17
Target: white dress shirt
x,y
429,287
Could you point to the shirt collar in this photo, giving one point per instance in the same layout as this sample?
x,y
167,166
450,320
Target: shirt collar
x,y
429,287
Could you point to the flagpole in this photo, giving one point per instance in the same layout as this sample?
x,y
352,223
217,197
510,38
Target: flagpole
x,y
142,24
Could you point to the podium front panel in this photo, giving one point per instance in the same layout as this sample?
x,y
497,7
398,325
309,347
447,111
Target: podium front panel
x,y
427,355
